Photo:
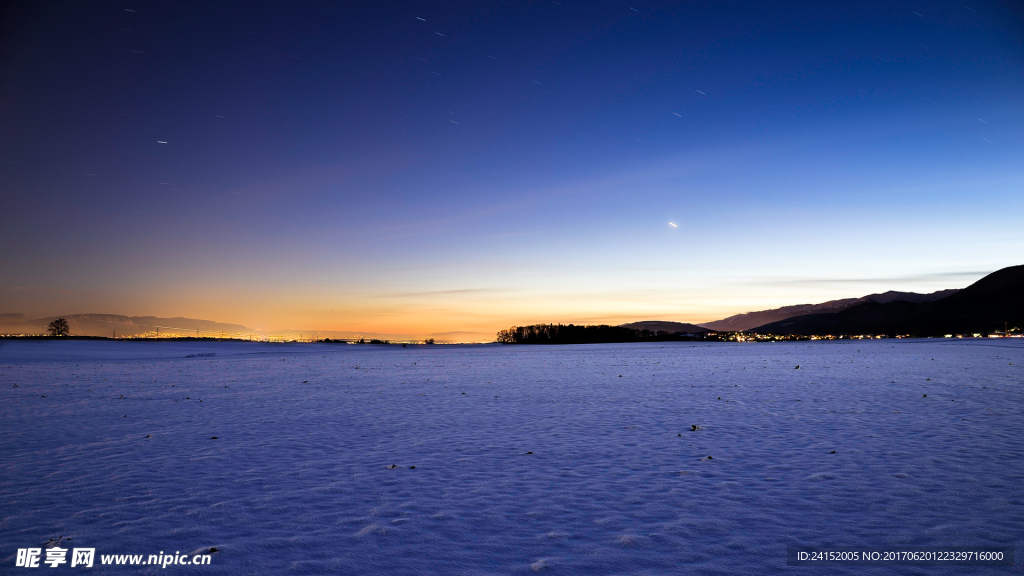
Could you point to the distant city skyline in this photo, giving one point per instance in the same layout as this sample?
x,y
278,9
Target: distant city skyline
x,y
401,168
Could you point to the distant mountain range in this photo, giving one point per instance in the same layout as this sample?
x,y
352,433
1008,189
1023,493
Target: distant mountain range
x,y
138,326
983,307
741,322
995,301
115,324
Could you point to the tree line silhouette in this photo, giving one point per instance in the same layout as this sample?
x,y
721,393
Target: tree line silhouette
x,y
573,334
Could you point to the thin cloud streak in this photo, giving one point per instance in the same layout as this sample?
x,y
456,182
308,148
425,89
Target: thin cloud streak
x,y
935,276
455,292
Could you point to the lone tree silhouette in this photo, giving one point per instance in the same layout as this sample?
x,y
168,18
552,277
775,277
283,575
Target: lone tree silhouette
x,y
59,327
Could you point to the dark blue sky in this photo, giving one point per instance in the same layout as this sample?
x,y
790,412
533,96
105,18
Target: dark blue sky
x,y
462,166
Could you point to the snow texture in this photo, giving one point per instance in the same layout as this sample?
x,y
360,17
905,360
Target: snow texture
x,y
560,459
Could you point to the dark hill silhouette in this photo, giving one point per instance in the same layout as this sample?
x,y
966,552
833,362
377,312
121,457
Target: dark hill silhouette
x,y
589,334
750,320
982,307
666,326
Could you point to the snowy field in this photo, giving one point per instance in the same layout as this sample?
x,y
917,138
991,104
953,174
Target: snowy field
x,y
559,459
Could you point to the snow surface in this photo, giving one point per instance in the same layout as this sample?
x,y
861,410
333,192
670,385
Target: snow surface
x,y
108,445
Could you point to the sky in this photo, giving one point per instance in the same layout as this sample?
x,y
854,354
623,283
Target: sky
x,y
429,167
